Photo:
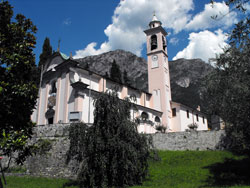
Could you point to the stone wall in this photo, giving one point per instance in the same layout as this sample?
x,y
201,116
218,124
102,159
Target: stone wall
x,y
193,140
51,161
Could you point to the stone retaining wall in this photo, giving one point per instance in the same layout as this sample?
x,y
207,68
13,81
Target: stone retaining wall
x,y
194,140
52,161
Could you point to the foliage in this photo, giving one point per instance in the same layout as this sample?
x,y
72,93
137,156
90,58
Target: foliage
x,y
18,91
193,126
42,146
111,151
18,169
228,87
47,52
115,72
161,128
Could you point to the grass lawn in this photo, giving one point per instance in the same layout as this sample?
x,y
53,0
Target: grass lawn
x,y
176,169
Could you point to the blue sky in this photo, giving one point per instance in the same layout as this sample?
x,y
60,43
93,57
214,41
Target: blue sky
x,y
90,27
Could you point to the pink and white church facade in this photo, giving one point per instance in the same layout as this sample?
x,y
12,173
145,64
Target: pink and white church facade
x,y
67,91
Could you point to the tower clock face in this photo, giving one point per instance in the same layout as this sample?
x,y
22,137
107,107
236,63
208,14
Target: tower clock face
x,y
154,57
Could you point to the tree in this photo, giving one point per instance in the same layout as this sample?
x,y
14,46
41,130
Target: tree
x,y
228,87
47,52
115,72
112,152
18,91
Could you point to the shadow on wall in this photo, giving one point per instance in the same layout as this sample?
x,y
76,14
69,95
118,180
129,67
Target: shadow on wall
x,y
231,172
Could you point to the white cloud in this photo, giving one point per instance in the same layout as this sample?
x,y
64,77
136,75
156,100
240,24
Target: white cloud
x,y
174,41
90,50
204,45
131,17
67,21
204,19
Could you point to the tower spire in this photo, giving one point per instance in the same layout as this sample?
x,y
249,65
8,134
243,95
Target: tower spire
x,y
155,22
154,17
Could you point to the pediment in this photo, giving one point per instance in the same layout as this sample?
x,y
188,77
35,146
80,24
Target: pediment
x,y
53,62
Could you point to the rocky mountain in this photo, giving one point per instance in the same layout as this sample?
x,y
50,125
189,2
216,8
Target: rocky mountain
x,y
185,75
136,67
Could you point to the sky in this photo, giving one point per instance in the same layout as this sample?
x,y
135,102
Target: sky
x,y
91,27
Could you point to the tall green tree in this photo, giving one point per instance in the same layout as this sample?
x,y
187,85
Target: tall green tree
x,y
47,52
112,152
18,91
115,72
228,87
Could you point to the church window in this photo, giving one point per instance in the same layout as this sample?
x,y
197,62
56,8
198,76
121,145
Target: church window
x,y
53,87
133,98
187,113
144,116
164,43
153,42
173,112
157,119
197,117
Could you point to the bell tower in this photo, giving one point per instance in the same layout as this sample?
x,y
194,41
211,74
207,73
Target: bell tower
x,y
158,69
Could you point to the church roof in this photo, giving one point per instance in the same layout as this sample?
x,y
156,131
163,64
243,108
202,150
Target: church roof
x,y
64,56
155,18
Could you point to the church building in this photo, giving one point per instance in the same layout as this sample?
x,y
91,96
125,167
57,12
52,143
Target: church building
x,y
67,91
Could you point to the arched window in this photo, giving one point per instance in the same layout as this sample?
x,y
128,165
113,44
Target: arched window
x,y
157,119
164,44
53,87
144,116
153,42
50,115
133,98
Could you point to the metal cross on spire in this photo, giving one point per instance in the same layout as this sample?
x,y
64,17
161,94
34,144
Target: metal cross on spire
x,y
58,48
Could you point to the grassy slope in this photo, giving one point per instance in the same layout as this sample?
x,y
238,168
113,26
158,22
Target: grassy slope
x,y
176,169
179,169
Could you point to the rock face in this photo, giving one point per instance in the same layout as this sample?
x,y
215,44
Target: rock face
x,y
186,75
186,78
136,67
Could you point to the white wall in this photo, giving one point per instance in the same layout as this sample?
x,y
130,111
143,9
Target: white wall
x,y
62,98
86,107
157,99
110,86
137,95
185,121
42,105
71,101
182,119
85,78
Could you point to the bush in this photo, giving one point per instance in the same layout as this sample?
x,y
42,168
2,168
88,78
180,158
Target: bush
x,y
112,153
161,128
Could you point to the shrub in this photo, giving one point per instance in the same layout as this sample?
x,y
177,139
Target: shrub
x,y
112,153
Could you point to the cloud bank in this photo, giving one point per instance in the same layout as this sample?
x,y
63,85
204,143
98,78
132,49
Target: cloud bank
x,y
131,17
204,45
